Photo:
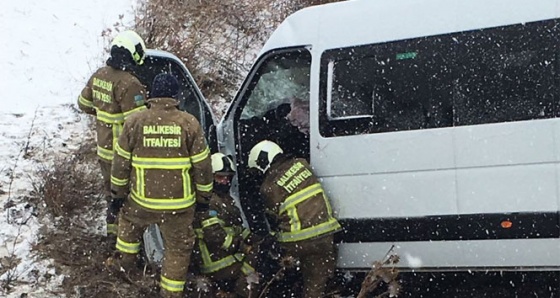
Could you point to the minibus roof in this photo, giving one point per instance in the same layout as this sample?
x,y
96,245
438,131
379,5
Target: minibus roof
x,y
356,22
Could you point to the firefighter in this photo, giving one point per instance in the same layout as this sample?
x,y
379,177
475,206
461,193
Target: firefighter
x,y
112,94
300,212
223,249
163,163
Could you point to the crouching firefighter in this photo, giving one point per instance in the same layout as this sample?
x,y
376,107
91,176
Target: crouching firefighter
x,y
162,161
223,252
302,213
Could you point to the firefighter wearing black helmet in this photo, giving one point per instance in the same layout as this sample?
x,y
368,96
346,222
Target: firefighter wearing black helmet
x,y
112,94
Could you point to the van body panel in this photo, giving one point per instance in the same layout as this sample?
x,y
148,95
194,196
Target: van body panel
x,y
533,254
510,143
385,195
362,22
509,189
384,153
509,167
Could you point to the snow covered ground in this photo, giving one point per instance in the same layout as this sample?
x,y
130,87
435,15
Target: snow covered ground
x,y
49,50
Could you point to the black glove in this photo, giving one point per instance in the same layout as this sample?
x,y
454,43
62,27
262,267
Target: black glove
x,y
268,256
116,204
201,207
271,245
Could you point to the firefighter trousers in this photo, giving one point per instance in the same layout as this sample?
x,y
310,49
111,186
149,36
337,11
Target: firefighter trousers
x,y
178,238
234,278
112,211
317,262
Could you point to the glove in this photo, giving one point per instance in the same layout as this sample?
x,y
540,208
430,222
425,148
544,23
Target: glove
x,y
271,245
249,243
201,207
116,204
253,239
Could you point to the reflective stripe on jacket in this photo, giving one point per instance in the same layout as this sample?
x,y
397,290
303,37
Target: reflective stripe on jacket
x,y
297,201
220,236
208,265
111,95
162,159
220,261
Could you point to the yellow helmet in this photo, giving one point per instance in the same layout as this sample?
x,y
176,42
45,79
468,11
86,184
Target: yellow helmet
x,y
133,43
262,155
222,164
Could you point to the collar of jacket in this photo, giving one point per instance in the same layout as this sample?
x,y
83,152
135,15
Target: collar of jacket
x,y
163,103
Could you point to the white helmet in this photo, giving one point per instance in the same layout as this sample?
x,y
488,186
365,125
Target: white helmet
x,y
133,43
262,155
222,164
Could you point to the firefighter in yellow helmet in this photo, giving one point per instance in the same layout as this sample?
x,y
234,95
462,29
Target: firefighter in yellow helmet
x,y
302,213
163,163
222,252
112,94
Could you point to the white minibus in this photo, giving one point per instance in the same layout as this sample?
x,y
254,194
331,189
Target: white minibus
x,y
433,125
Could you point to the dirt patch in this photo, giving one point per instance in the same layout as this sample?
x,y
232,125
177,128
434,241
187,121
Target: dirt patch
x,y
69,191
80,256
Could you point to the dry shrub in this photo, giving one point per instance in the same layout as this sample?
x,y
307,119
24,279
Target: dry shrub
x,y
8,264
382,278
67,185
70,189
217,40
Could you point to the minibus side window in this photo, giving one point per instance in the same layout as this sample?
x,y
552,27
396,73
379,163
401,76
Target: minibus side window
x,y
506,74
386,87
491,75
349,97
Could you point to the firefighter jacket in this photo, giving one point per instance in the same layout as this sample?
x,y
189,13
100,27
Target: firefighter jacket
x,y
297,202
111,95
220,236
162,158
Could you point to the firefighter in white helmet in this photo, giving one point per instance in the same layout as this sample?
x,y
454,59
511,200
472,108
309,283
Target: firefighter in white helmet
x,y
222,251
302,213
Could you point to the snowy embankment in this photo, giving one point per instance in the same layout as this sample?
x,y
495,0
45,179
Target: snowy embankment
x,y
30,141
49,50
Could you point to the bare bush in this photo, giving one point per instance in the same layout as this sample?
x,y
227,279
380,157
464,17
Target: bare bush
x,y
9,264
67,185
70,189
382,277
217,40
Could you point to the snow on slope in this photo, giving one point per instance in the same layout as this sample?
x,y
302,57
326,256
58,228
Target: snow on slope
x,y
28,142
49,49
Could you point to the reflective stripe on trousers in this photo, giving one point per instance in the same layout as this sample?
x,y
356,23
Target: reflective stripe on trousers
x,y
172,285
